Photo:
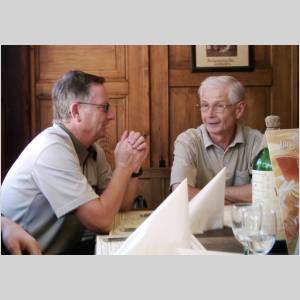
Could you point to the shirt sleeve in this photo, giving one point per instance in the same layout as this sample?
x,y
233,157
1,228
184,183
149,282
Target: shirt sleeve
x,y
183,164
58,175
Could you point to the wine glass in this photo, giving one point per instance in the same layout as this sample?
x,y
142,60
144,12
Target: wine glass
x,y
236,223
260,230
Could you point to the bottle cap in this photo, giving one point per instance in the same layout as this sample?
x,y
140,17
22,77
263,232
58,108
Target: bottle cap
x,y
272,121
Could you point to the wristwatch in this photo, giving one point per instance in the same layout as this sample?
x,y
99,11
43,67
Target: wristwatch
x,y
138,174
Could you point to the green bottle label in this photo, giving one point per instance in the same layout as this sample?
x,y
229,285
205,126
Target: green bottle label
x,y
262,162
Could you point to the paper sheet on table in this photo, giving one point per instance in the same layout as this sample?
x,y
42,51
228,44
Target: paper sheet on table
x,y
165,230
125,223
206,208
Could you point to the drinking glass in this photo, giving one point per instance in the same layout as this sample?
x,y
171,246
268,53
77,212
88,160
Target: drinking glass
x,y
260,230
237,223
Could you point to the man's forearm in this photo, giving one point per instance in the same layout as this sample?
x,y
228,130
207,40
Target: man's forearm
x,y
114,194
242,193
131,193
98,214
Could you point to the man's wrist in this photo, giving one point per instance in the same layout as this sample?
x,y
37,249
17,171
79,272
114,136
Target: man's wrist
x,y
122,171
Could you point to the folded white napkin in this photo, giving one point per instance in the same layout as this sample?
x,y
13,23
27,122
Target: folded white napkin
x,y
206,208
165,230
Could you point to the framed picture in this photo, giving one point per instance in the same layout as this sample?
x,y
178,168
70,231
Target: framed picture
x,y
222,58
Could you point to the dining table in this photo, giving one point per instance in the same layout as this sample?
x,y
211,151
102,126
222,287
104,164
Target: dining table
x,y
217,240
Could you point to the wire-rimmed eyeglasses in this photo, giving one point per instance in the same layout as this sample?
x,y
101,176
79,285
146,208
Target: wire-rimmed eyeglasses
x,y
104,106
218,108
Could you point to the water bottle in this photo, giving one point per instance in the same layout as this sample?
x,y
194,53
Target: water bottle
x,y
263,180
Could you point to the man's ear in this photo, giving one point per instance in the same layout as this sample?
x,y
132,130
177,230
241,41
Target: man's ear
x,y
240,108
75,112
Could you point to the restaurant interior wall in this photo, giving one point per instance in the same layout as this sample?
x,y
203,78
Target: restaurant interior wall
x,y
152,89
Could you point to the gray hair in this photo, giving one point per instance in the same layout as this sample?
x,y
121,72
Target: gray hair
x,y
236,91
73,85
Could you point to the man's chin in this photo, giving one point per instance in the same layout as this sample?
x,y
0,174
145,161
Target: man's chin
x,y
102,133
212,128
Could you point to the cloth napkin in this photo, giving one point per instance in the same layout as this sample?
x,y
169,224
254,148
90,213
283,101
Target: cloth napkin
x,y
165,230
206,208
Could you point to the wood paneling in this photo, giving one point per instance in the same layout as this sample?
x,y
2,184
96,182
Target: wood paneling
x,y
184,113
46,112
262,57
154,91
257,100
138,104
159,105
115,88
259,77
284,88
106,61
154,186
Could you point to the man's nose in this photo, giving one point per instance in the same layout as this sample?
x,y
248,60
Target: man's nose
x,y
211,111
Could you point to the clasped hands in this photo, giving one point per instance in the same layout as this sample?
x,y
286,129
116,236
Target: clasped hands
x,y
131,151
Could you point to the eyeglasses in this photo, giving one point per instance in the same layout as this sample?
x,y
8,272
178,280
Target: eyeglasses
x,y
104,106
218,108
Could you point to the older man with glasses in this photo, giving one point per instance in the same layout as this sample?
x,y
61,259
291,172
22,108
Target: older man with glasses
x,y
200,153
62,185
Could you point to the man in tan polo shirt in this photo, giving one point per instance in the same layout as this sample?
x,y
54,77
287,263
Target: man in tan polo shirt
x,y
200,153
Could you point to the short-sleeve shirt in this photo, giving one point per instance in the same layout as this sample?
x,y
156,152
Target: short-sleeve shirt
x,y
198,159
52,177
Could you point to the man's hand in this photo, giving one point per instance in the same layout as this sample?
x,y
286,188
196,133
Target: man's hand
x,y
235,194
138,142
131,151
16,239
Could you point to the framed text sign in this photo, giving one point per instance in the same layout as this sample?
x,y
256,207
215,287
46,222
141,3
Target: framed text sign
x,y
222,58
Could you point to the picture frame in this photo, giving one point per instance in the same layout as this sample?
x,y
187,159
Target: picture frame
x,y
222,58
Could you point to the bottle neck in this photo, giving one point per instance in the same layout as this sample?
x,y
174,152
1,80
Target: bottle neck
x,y
272,128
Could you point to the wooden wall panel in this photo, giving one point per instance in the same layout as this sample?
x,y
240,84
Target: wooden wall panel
x,y
285,87
184,113
46,113
159,105
106,61
259,77
257,100
154,91
50,62
138,97
179,57
114,88
262,56
154,185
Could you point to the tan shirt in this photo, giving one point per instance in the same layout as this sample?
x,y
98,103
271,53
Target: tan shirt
x,y
199,159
